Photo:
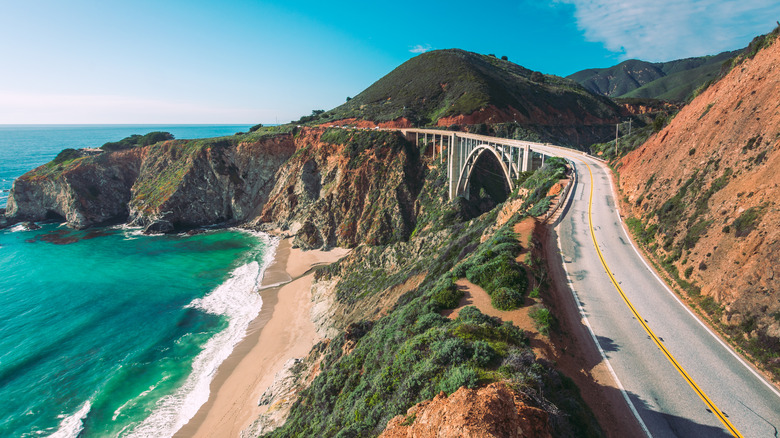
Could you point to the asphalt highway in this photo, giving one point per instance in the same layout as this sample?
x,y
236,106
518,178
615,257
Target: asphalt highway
x,y
678,377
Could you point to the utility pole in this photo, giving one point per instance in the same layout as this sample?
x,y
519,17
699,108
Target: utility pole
x,y
629,126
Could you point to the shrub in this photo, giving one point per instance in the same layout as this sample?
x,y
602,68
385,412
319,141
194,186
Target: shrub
x,y
471,314
446,294
457,377
540,207
746,222
484,354
659,122
451,351
543,319
506,299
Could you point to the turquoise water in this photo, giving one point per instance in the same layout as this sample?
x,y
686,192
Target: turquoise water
x,y
108,332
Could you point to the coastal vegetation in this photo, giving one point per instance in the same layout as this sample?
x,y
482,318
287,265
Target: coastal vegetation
x,y
137,140
369,375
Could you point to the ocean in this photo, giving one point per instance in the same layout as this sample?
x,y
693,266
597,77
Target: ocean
x,y
108,332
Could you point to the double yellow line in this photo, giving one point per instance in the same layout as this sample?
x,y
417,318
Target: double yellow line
x,y
718,413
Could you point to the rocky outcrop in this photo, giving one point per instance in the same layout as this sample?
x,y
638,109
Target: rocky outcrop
x,y
88,191
195,183
708,186
345,187
183,183
327,187
493,411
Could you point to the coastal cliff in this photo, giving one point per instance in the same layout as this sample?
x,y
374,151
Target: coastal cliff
x,y
345,187
174,184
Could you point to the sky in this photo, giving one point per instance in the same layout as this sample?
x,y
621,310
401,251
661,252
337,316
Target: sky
x,y
246,62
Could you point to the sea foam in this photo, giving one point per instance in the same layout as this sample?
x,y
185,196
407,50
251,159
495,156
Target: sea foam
x,y
238,300
71,426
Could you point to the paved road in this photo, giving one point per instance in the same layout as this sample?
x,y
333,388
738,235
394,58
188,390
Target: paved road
x,y
664,398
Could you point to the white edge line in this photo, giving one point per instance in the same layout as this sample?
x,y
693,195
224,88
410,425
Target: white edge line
x,y
679,301
593,335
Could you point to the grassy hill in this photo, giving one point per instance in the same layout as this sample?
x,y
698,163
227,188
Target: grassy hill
x,y
446,83
671,81
445,87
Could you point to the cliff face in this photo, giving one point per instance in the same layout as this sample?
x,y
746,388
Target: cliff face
x,y
185,183
706,190
327,187
493,411
194,183
83,192
345,187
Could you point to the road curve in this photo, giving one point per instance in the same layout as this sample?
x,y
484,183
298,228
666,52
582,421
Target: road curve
x,y
674,372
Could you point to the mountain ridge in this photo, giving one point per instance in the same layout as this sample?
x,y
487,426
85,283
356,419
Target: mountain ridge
x,y
671,80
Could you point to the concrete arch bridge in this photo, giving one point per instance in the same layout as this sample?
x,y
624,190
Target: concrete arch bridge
x,y
462,152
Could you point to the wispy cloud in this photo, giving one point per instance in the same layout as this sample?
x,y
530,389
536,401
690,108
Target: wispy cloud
x,y
420,48
661,30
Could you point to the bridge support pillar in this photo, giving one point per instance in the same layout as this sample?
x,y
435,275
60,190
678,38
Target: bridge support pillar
x,y
526,158
453,167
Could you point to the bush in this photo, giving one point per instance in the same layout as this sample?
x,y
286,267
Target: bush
x,y
506,299
543,319
540,207
459,376
470,314
451,351
446,294
659,122
746,222
484,354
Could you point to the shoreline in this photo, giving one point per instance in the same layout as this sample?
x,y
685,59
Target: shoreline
x,y
282,330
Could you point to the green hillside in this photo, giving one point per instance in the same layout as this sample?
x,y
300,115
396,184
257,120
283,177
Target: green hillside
x,y
619,79
454,82
671,81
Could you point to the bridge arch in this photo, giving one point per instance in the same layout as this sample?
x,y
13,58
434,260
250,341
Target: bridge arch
x,y
467,169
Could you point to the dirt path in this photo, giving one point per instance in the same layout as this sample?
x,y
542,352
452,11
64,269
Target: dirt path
x,y
570,348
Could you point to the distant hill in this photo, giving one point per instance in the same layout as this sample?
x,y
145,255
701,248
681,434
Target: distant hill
x,y
671,81
446,87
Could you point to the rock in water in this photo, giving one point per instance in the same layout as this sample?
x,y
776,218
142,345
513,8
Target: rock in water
x,y
30,226
159,227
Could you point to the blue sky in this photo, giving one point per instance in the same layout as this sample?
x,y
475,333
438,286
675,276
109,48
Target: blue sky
x,y
266,61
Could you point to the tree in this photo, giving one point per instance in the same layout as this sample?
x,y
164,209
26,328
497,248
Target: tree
x,y
537,77
505,58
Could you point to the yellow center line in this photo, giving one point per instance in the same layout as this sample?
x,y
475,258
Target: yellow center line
x,y
718,413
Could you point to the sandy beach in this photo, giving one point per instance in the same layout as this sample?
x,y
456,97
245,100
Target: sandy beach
x,y
283,330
